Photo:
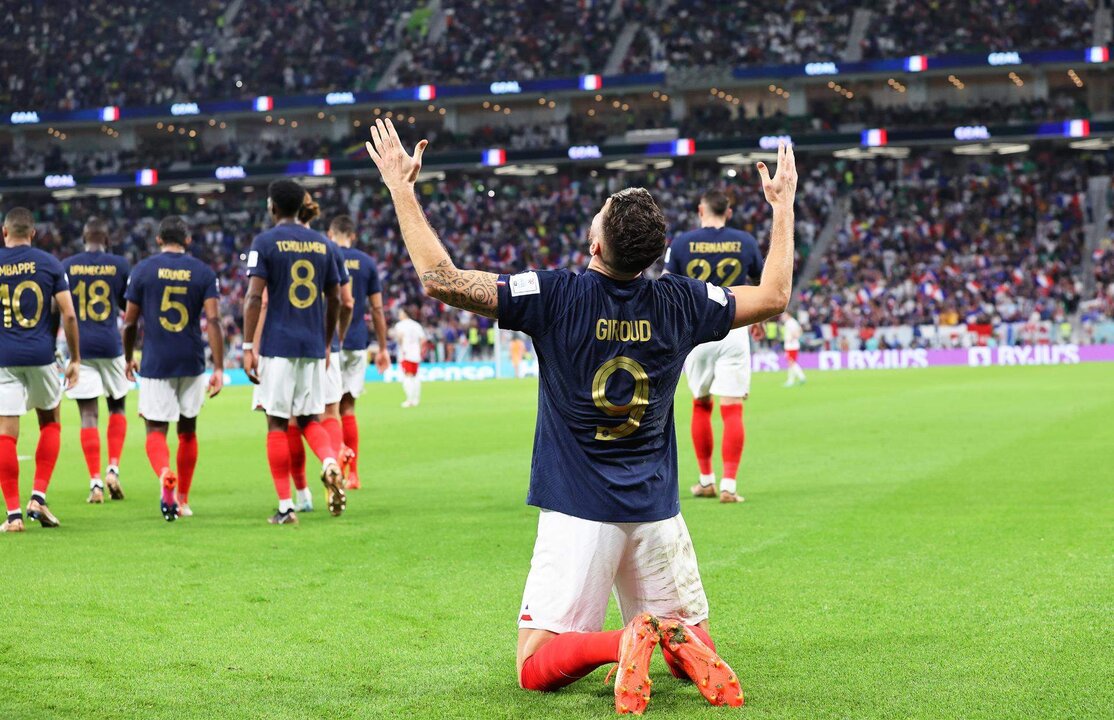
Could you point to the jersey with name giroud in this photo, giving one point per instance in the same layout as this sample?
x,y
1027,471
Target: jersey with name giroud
x,y
299,265
610,354
723,256
98,281
29,280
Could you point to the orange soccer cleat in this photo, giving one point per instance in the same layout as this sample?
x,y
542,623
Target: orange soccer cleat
x,y
632,674
347,459
715,680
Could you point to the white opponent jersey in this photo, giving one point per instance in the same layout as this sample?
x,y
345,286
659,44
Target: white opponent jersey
x,y
792,334
410,335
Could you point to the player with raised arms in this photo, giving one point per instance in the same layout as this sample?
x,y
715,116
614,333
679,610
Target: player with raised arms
x,y
721,255
352,353
611,344
171,292
98,280
30,281
299,272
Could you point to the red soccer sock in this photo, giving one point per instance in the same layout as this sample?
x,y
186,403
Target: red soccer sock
x,y
46,455
671,659
297,455
567,658
158,452
351,433
187,461
319,441
91,446
336,434
9,472
702,439
733,438
278,457
117,430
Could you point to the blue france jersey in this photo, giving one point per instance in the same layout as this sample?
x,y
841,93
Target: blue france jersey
x,y
299,265
723,256
610,354
171,289
98,281
29,280
365,282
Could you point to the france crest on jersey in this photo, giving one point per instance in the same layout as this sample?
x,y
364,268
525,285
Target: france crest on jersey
x,y
300,265
610,354
171,289
29,280
722,256
98,281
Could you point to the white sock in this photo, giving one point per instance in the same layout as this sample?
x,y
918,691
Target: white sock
x,y
706,480
417,390
286,505
95,483
40,496
727,485
304,495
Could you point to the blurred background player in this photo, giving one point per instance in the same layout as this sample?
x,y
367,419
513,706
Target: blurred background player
x,y
98,281
351,357
171,291
410,335
30,280
723,256
791,334
299,273
604,472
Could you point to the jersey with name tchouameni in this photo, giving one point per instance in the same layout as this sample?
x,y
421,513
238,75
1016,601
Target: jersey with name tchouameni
x,y
29,280
365,282
300,265
98,281
723,256
171,289
610,354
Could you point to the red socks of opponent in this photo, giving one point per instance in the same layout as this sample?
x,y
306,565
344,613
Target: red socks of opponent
x,y
733,438
9,473
187,462
702,439
278,457
567,658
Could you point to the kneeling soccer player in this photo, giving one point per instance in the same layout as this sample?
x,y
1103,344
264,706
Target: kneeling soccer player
x,y
30,280
611,344
170,291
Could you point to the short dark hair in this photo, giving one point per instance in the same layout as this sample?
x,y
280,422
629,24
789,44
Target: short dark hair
x,y
287,197
634,227
343,225
717,202
96,228
19,221
173,229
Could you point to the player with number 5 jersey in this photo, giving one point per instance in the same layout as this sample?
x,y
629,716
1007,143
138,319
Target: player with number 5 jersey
x,y
298,268
172,292
611,344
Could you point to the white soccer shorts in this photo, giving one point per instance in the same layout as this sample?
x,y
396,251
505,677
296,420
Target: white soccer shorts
x,y
171,399
290,387
101,377
353,371
333,379
31,387
721,368
577,564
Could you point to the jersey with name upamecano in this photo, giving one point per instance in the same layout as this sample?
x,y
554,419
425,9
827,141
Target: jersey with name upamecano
x,y
98,281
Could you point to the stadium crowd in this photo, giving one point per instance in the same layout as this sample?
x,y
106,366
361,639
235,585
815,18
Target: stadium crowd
x,y
66,54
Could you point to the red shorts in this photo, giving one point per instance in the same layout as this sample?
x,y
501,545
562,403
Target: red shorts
x,y
791,356
409,368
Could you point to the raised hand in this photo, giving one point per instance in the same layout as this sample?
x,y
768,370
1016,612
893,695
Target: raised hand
x,y
781,189
399,169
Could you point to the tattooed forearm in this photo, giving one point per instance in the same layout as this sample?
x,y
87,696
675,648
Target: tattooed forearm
x,y
470,290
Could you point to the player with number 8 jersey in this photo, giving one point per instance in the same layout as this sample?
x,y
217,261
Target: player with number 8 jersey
x,y
298,268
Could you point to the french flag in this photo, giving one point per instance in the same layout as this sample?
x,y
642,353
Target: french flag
x,y
916,63
974,287
1044,281
863,295
147,176
1003,289
495,157
591,82
264,103
321,166
110,113
1018,276
875,137
426,93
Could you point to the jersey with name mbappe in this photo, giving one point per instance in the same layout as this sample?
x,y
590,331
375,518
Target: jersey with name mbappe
x,y
610,354
171,289
300,265
723,256
365,282
98,281
29,280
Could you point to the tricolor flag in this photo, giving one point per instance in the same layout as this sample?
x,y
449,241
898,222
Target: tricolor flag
x,y
321,166
1098,54
1077,128
148,176
264,103
1044,281
110,113
425,93
974,287
495,157
684,146
875,137
591,82
863,295
916,63
1018,276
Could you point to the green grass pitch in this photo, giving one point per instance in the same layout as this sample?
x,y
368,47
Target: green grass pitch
x,y
915,544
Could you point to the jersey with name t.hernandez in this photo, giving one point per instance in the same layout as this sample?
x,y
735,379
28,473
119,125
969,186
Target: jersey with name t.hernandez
x,y
610,355
723,256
